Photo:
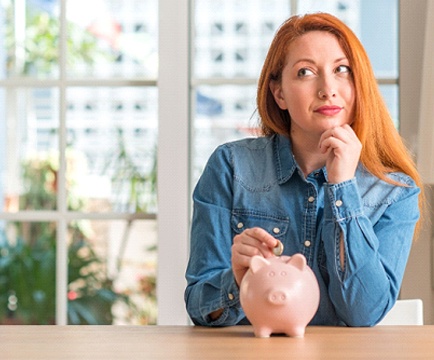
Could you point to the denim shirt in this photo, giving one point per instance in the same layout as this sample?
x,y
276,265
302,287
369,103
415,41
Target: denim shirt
x,y
257,183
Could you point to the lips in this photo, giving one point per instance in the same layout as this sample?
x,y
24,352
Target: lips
x,y
329,110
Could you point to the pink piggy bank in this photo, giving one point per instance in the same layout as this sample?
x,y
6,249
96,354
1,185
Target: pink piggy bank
x,y
279,295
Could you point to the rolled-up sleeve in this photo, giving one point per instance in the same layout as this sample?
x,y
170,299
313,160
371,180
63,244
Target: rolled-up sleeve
x,y
376,249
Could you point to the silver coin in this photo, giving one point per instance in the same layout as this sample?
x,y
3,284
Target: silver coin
x,y
278,249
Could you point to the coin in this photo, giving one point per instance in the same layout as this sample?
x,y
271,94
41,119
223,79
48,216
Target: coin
x,y
278,249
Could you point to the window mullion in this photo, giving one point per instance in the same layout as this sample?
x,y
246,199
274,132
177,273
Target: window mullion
x,y
173,160
62,223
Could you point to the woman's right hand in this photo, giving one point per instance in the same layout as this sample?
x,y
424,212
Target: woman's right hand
x,y
250,242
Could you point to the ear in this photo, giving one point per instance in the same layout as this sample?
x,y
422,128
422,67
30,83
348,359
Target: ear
x,y
258,262
276,90
298,260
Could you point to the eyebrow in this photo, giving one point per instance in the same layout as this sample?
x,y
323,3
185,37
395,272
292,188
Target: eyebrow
x,y
313,62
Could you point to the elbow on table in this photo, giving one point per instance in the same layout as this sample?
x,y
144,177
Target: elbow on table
x,y
196,318
200,317
206,320
362,320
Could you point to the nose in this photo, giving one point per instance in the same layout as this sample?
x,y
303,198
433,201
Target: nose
x,y
327,88
277,297
324,95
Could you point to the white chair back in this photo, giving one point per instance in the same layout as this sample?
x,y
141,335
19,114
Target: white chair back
x,y
405,312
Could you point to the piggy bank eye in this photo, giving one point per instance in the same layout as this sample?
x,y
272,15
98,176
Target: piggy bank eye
x,y
283,273
271,273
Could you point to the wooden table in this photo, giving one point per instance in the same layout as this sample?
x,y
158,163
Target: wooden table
x,y
188,342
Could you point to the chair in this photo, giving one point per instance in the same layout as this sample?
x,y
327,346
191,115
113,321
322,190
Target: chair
x,y
405,312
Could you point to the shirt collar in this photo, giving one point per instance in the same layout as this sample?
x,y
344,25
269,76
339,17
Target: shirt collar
x,y
286,165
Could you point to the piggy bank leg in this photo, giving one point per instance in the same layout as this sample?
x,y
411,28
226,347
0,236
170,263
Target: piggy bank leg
x,y
262,331
296,332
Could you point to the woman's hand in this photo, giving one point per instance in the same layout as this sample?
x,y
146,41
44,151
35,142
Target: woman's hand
x,y
343,149
250,242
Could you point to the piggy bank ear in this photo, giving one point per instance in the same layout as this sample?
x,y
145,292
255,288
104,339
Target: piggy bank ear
x,y
257,263
298,260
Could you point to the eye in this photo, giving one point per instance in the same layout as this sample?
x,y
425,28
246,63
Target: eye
x,y
304,72
342,69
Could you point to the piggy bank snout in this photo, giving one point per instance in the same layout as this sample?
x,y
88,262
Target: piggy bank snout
x,y
277,297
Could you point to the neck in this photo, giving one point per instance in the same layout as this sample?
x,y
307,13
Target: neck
x,y
307,154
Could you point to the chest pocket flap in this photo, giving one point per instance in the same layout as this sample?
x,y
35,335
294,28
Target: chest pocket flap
x,y
277,226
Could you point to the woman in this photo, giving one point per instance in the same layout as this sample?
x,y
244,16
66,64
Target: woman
x,y
330,179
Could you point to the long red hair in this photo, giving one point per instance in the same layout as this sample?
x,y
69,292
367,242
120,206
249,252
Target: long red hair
x,y
383,150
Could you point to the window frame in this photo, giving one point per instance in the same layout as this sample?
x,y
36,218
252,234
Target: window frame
x,y
62,216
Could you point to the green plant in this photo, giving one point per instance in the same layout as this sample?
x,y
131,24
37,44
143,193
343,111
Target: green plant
x,y
27,283
27,280
136,191
90,294
41,45
28,253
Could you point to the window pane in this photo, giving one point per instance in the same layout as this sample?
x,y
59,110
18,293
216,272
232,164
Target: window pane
x,y
27,272
391,97
379,34
223,113
29,38
346,10
112,137
231,41
116,38
374,22
29,160
232,37
112,272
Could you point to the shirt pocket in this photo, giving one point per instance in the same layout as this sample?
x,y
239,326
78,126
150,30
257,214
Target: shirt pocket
x,y
275,225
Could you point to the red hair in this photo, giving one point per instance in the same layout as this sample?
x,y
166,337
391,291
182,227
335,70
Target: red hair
x,y
383,150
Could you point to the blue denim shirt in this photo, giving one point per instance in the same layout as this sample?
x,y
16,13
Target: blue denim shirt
x,y
257,183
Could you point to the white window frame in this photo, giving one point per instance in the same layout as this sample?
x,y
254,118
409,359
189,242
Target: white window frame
x,y
173,159
62,217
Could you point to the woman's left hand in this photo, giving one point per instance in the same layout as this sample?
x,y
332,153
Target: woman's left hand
x,y
343,148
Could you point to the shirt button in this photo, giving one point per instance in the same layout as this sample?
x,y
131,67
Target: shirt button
x,y
240,225
338,203
276,230
311,199
231,296
307,243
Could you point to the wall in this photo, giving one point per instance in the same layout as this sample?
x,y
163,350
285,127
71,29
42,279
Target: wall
x,y
418,279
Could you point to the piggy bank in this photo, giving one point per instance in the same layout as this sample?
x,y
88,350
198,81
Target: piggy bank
x,y
279,295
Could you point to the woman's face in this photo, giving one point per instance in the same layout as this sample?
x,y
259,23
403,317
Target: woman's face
x,y
316,85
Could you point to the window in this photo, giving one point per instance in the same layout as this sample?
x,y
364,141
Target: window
x,y
78,161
